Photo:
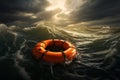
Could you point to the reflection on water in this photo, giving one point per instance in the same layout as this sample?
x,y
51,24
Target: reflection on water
x,y
98,49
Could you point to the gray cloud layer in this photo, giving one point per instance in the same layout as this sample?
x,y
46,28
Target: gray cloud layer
x,y
99,12
13,11
95,12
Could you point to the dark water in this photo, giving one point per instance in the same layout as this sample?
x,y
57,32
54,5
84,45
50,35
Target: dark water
x,y
98,53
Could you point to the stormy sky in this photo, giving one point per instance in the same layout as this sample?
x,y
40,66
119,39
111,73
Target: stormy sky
x,y
91,12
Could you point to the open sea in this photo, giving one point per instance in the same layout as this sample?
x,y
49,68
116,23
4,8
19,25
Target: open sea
x,y
98,53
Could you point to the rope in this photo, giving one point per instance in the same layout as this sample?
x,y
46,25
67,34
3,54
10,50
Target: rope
x,y
63,43
53,42
43,54
64,55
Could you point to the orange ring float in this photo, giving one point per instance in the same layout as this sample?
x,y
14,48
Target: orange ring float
x,y
54,51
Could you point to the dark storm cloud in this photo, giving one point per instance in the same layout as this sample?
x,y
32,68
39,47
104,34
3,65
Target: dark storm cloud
x,y
12,11
98,12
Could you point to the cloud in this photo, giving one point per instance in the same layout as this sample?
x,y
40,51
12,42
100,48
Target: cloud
x,y
89,12
21,11
98,12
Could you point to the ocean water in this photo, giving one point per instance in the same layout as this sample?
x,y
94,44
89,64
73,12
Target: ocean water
x,y
98,53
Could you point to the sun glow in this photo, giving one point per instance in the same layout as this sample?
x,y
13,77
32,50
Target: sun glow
x,y
55,4
58,5
62,10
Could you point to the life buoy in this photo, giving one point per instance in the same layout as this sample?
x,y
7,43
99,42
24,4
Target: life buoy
x,y
54,51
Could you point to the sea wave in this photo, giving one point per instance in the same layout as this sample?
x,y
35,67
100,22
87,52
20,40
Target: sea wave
x,y
98,53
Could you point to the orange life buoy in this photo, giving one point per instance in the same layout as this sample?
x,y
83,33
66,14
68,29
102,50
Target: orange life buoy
x,y
54,51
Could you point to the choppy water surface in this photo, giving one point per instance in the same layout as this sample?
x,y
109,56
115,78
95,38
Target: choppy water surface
x,y
98,53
